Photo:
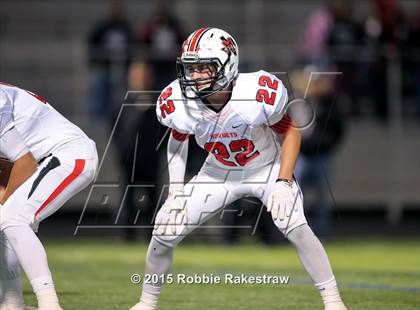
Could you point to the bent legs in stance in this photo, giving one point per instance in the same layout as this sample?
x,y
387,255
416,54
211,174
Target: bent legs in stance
x,y
202,202
55,181
309,248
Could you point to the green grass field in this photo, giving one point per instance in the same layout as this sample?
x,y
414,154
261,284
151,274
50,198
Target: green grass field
x,y
373,274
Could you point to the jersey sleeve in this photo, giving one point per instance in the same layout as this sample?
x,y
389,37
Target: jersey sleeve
x,y
170,109
261,98
165,107
274,112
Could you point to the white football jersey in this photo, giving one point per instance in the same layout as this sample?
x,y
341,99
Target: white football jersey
x,y
239,135
42,128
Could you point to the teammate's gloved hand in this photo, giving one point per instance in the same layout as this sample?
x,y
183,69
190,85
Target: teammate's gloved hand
x,y
172,214
281,202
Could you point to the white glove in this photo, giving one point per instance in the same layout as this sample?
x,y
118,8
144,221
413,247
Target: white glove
x,y
281,202
172,214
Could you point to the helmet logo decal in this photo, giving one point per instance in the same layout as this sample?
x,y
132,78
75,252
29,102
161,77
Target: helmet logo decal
x,y
229,45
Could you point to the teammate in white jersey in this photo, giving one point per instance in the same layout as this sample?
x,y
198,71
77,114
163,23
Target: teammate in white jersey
x,y
240,119
53,160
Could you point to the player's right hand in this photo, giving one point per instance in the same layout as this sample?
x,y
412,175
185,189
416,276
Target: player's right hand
x,y
172,214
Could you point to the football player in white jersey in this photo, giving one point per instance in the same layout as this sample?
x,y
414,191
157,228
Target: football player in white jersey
x,y
240,119
53,160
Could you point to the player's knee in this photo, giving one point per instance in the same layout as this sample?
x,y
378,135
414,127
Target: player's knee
x,y
10,217
167,236
287,227
91,171
299,234
168,233
91,164
168,239
95,163
159,248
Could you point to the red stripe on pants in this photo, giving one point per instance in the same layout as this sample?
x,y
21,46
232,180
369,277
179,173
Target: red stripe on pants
x,y
78,169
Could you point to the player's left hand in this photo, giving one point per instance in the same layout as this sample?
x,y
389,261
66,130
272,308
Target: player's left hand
x,y
280,202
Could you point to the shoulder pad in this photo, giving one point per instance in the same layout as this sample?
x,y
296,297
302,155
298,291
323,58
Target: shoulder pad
x,y
170,109
260,98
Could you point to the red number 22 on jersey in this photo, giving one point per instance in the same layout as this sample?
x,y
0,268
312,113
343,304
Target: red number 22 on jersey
x,y
168,106
244,146
263,94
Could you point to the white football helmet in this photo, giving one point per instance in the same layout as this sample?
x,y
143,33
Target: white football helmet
x,y
208,46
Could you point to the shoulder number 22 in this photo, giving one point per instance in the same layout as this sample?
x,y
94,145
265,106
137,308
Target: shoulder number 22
x,y
264,94
166,106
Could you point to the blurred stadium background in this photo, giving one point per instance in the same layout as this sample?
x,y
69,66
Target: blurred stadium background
x,y
360,163
64,50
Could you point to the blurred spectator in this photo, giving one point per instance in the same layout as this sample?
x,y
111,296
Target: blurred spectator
x,y
329,40
411,58
363,52
109,58
158,45
343,42
312,44
383,33
139,79
314,169
136,137
161,37
390,17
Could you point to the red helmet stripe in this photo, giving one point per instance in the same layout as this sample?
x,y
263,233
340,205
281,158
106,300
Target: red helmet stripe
x,y
189,41
196,38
